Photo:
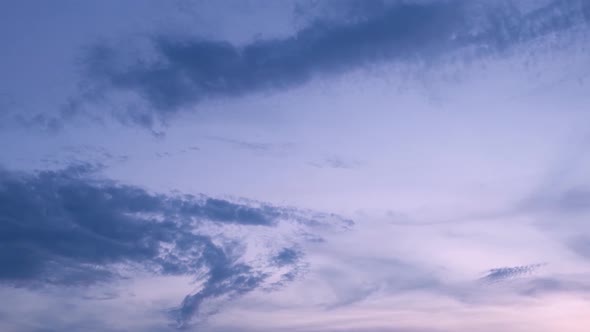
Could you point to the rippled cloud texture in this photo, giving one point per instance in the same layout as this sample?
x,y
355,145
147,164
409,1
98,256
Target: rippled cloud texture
x,y
403,165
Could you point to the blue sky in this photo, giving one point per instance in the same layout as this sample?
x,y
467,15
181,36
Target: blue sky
x,y
399,166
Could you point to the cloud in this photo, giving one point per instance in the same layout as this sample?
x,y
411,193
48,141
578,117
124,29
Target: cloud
x,y
252,146
562,209
226,278
581,245
575,199
563,284
70,227
287,256
568,201
181,72
189,71
80,154
336,163
508,273
61,227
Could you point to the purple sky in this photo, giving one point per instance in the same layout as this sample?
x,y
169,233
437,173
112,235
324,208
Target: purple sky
x,y
297,166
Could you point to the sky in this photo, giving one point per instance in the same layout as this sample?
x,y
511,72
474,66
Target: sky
x,y
295,166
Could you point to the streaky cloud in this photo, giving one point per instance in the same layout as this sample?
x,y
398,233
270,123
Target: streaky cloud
x,y
188,70
508,273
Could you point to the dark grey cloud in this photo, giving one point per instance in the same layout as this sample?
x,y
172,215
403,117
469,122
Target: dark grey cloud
x,y
70,227
287,256
508,273
226,278
191,70
62,227
187,71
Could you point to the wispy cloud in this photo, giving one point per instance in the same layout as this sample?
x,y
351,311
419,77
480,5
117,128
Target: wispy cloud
x,y
508,273
240,144
337,163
